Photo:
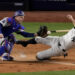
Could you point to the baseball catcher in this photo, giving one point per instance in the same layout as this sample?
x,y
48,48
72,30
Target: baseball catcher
x,y
8,25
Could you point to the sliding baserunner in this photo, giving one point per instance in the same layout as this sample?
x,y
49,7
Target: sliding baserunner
x,y
59,45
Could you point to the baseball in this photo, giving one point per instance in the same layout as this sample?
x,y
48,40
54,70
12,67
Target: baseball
x,y
48,32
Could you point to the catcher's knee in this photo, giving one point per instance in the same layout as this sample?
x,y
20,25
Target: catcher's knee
x,y
7,46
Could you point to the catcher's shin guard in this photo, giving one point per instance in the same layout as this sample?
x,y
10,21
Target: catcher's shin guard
x,y
2,50
6,47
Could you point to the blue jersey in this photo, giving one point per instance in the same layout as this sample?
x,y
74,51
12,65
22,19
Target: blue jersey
x,y
9,25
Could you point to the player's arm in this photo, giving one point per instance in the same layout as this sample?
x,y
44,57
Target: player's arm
x,y
70,17
41,32
26,34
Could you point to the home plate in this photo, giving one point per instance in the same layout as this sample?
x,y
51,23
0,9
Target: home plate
x,y
23,56
20,56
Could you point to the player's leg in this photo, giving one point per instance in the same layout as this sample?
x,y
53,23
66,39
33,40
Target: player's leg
x,y
31,41
42,40
11,40
2,48
51,52
43,55
49,40
7,46
25,43
36,40
5,51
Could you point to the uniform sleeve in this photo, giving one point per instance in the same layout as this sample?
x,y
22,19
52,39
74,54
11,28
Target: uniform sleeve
x,y
6,21
26,34
23,33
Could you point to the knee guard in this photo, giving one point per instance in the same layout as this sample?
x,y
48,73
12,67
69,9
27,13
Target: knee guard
x,y
6,47
6,44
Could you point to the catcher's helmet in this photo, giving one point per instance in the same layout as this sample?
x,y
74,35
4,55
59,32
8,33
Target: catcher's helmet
x,y
19,13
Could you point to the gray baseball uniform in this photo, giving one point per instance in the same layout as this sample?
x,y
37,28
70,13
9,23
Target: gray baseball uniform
x,y
58,44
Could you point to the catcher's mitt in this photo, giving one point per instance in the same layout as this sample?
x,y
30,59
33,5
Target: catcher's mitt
x,y
43,31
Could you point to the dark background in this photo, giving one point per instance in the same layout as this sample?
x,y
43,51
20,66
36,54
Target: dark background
x,y
37,5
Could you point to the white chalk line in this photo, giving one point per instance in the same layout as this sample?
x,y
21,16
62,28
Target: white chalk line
x,y
62,63
52,62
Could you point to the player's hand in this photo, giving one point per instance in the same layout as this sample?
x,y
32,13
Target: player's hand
x,y
70,17
48,32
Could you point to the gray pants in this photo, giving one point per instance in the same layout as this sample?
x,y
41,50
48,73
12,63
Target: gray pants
x,y
54,42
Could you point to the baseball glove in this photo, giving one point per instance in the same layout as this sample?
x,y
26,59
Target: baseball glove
x,y
42,31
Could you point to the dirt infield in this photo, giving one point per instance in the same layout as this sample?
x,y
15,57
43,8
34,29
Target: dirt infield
x,y
25,60
25,57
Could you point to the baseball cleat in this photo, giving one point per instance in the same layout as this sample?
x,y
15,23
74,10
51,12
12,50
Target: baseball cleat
x,y
66,54
6,58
